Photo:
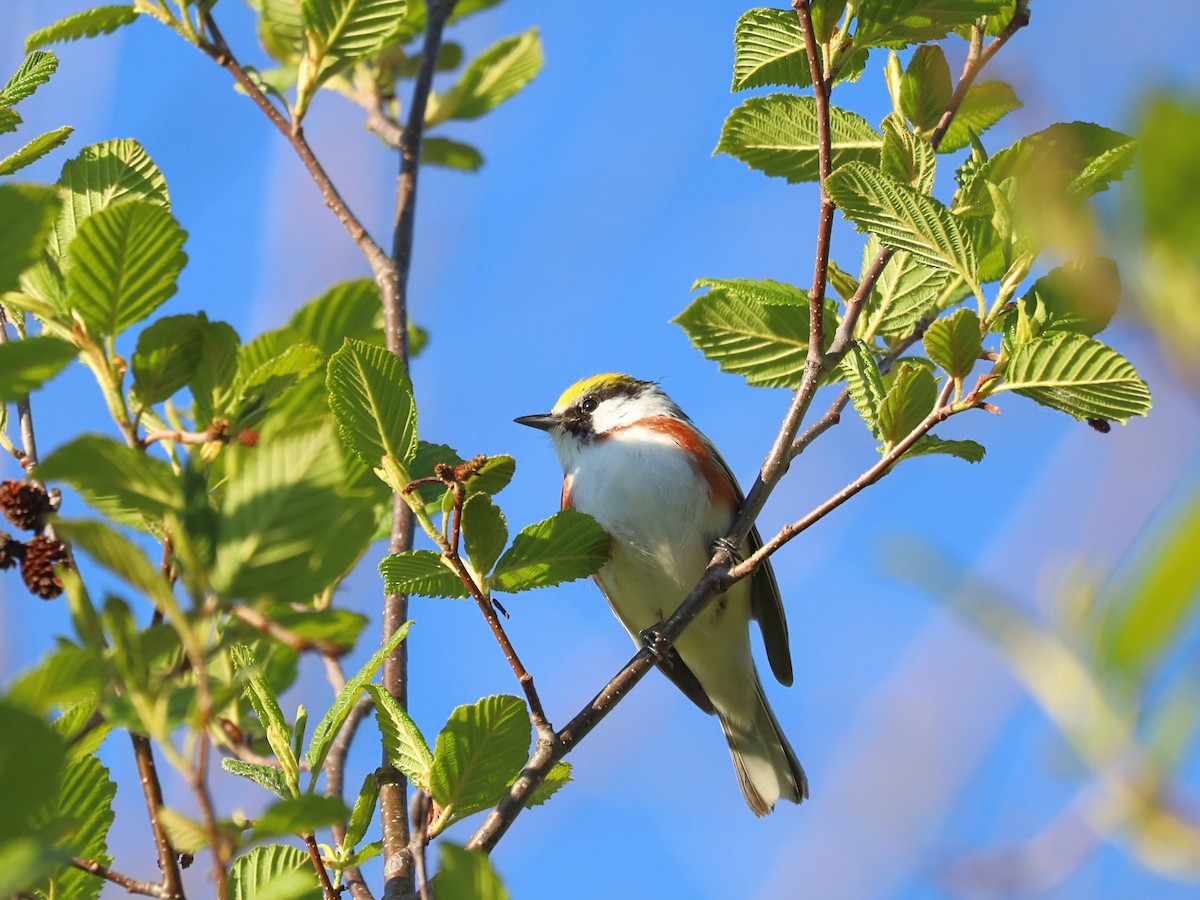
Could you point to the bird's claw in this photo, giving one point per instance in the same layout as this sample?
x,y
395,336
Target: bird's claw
x,y
724,545
651,639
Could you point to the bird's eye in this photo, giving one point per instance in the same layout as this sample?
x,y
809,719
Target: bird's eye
x,y
589,405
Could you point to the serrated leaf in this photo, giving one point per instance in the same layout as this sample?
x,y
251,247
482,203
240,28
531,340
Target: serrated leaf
x,y
35,150
364,807
327,729
1080,297
281,29
89,23
212,385
274,872
909,400
777,135
925,89
265,702
899,23
906,292
262,379
299,816
421,572
406,748
485,532
33,73
27,213
28,364
1079,376
351,309
557,778
267,776
468,875
955,342
372,401
167,356
287,528
865,383
970,451
84,799
341,32
10,120
478,753
902,217
123,265
440,151
748,329
986,103
564,547
906,157
768,48
109,474
66,675
491,78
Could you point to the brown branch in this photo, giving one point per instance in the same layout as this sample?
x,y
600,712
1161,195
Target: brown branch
x,y
285,636
132,886
327,887
29,457
335,767
180,437
419,813
168,861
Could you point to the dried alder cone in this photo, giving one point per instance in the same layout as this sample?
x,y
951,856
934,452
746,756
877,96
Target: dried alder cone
x,y
42,554
25,504
12,551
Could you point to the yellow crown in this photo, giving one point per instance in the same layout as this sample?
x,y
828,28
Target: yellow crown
x,y
595,382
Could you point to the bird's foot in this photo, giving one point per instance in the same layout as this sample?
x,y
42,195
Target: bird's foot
x,y
724,545
652,640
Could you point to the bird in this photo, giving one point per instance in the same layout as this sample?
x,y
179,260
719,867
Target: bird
x,y
634,462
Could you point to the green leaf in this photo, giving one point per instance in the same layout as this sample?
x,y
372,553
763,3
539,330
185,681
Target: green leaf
x,y
267,776
33,73
262,378
986,103
274,872
557,778
478,753
35,150
955,342
485,532
909,400
28,364
288,529
299,816
440,151
1079,376
491,78
24,860
31,760
364,807
372,402
342,32
27,214
423,573
768,48
468,875
167,356
89,23
906,292
186,834
903,217
123,265
10,120
899,23
265,702
352,309
970,451
66,675
1079,297
564,547
777,135
865,383
110,475
281,29
925,89
906,157
748,329
329,726
84,799
212,385
405,746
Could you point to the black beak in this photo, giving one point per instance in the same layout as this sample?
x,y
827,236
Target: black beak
x,y
544,422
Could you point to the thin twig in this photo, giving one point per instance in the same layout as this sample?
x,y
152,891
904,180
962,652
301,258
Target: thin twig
x,y
131,885
285,636
29,458
419,814
168,861
327,887
335,767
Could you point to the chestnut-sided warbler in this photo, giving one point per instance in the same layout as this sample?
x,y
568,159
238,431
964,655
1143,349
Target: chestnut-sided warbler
x,y
635,463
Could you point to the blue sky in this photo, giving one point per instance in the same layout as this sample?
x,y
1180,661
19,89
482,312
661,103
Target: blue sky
x,y
599,205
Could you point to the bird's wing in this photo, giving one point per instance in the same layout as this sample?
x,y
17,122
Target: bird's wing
x,y
673,666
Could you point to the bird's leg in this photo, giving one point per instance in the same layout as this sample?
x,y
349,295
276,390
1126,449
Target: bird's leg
x,y
724,545
651,640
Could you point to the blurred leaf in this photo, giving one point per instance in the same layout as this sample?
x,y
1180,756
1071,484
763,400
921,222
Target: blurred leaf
x,y
167,356
1079,376
350,309
329,726
420,572
89,23
777,135
925,89
907,157
35,150
274,872
468,875
186,834
281,29
32,74
28,364
899,23
63,676
405,746
1079,297
970,451
986,103
440,151
27,213
909,400
564,547
491,78
903,217
864,383
478,753
485,532
84,798
299,816
24,860
372,401
212,385
31,760
109,474
267,776
954,342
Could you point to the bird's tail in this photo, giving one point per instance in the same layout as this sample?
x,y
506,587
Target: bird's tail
x,y
766,766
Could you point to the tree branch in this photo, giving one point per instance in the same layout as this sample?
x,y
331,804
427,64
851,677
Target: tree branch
x,y
327,888
29,457
168,861
134,887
